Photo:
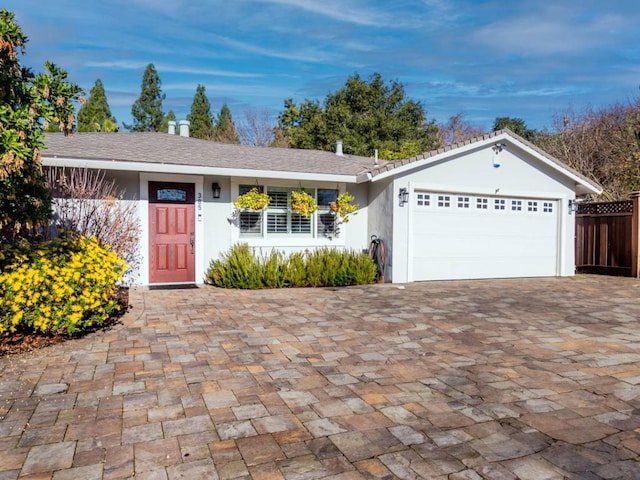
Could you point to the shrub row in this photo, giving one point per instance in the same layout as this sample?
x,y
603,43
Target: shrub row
x,y
325,267
58,287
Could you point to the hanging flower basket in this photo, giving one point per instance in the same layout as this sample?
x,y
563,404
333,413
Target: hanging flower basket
x,y
344,206
252,200
303,204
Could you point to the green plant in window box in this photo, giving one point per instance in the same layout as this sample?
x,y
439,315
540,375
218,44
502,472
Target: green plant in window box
x,y
303,204
252,200
344,206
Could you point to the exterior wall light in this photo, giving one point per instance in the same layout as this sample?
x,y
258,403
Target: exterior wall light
x,y
403,196
573,205
215,188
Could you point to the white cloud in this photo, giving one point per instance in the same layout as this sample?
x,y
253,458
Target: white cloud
x,y
340,10
555,30
138,65
311,55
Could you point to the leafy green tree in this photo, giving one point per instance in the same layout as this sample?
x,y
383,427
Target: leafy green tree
x,y
225,130
516,125
366,115
95,114
147,109
200,116
28,104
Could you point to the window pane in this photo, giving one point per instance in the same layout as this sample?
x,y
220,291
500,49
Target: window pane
x,y
326,195
246,188
276,222
463,202
172,194
251,223
279,198
326,224
423,199
299,224
444,201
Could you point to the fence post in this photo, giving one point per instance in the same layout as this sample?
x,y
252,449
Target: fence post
x,y
635,235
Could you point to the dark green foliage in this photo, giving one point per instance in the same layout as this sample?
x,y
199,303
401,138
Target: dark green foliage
x,y
200,116
237,269
272,270
147,109
169,117
516,125
314,267
325,267
29,104
225,130
95,114
294,271
365,115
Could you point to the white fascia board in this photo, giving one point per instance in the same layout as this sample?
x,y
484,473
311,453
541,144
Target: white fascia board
x,y
192,169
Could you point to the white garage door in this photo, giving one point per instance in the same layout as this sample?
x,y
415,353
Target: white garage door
x,y
459,236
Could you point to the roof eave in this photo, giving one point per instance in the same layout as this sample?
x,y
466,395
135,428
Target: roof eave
x,y
170,168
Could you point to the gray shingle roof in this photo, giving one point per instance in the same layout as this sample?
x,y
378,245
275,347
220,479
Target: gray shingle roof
x,y
163,148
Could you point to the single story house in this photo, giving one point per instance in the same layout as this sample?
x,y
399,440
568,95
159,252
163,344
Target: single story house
x,y
493,207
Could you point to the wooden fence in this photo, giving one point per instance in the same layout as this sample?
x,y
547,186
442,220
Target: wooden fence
x,y
607,235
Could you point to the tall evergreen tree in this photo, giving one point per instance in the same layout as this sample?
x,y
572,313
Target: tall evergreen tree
x,y
200,116
95,114
225,130
147,109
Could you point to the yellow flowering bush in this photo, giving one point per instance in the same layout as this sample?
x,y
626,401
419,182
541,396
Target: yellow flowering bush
x,y
58,287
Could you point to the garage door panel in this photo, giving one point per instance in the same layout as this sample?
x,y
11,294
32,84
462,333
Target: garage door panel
x,y
452,242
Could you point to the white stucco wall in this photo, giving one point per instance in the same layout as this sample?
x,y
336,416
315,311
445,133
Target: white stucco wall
x,y
220,233
519,174
217,226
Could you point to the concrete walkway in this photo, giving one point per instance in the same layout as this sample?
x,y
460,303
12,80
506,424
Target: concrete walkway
x,y
502,379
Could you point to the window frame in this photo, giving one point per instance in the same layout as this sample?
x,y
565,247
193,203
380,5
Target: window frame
x,y
291,224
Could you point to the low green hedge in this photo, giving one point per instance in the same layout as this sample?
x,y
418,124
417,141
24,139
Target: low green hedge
x,y
324,267
58,287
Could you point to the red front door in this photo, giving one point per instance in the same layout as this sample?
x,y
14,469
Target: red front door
x,y
171,232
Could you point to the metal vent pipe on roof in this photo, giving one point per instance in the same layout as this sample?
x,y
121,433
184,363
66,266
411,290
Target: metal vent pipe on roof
x,y
172,127
339,147
184,128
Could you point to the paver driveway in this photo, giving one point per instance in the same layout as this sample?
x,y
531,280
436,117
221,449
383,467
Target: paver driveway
x,y
532,379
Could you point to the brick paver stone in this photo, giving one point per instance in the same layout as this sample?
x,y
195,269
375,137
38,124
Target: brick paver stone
x,y
260,449
47,458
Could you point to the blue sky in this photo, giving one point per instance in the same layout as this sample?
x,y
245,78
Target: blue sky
x,y
528,59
